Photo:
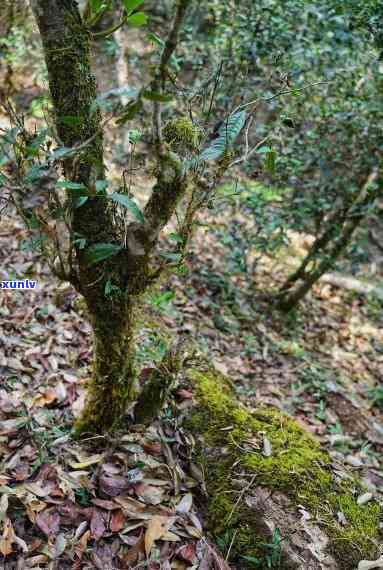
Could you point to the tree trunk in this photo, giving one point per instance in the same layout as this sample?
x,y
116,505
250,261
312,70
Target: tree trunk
x,y
128,273
330,246
66,44
272,497
114,381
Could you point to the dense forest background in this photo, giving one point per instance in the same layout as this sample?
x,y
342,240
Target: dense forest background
x,y
196,379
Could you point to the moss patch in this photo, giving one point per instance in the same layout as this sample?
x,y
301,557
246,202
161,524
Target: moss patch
x,y
297,466
182,134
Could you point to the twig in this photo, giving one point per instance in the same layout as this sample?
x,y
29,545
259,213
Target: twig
x,y
248,153
284,92
240,497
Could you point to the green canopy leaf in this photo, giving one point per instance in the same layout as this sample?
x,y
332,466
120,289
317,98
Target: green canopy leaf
x,y
227,134
100,251
138,19
125,201
131,5
69,185
155,96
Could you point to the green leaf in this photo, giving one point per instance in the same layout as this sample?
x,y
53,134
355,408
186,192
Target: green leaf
x,y
137,20
100,251
95,5
264,150
227,134
134,136
270,160
101,186
232,126
69,185
155,96
176,237
70,120
125,201
131,111
214,150
176,257
79,201
60,153
155,39
131,5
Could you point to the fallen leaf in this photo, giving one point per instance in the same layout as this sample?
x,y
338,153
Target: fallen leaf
x,y
3,506
44,399
267,450
185,504
97,524
10,426
133,553
92,460
149,494
369,564
48,522
82,544
365,498
187,552
153,448
114,485
60,545
7,538
105,504
117,521
157,527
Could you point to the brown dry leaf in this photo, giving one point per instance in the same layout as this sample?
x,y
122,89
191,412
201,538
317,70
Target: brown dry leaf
x,y
44,399
114,485
185,504
82,544
149,494
92,460
9,426
48,522
134,553
3,506
153,448
117,521
158,526
78,405
178,565
97,524
105,504
8,538
187,552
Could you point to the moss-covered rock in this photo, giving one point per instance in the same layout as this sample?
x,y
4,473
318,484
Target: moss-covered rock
x,y
265,474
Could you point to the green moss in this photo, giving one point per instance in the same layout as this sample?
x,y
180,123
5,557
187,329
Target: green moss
x,y
114,381
182,134
297,467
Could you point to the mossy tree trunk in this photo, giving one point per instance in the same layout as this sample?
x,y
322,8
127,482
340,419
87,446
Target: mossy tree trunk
x,y
126,275
114,380
66,44
272,493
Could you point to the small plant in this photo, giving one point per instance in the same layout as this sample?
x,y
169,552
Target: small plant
x,y
272,556
376,394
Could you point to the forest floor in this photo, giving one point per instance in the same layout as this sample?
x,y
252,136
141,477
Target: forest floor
x,y
106,502
78,505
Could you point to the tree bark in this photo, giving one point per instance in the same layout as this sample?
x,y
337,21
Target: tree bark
x,y
114,382
66,44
